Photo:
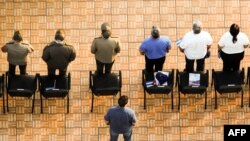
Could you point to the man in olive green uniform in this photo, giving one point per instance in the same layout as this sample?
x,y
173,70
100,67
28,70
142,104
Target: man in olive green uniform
x,y
58,54
17,52
105,49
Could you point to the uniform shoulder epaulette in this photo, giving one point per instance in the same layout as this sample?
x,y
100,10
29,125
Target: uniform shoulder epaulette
x,y
68,44
51,43
98,37
11,42
114,37
24,43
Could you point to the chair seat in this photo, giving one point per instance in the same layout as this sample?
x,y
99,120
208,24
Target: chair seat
x,y
20,92
193,90
55,93
106,84
228,89
158,90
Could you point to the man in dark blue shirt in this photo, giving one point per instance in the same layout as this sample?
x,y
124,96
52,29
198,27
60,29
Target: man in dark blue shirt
x,y
121,119
155,49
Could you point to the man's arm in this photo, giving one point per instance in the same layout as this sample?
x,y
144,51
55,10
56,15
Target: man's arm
x,y
73,54
45,55
93,47
4,48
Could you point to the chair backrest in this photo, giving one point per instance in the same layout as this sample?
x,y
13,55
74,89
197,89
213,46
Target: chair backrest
x,y
150,77
57,82
183,78
228,78
106,81
20,82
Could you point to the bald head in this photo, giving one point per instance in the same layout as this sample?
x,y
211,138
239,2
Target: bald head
x,y
197,25
155,32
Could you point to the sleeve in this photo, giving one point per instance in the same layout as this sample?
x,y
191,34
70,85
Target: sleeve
x,y
143,46
72,56
107,116
183,43
245,39
168,43
93,47
209,39
30,48
133,119
4,48
118,48
221,42
45,55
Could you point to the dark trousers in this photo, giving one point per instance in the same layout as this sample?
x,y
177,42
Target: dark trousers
x,y
12,69
154,65
231,62
126,136
52,72
106,67
199,64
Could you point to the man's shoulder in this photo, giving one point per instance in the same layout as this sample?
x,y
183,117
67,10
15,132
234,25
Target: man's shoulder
x,y
129,110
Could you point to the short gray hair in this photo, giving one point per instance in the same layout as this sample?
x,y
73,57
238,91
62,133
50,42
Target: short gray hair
x,y
197,23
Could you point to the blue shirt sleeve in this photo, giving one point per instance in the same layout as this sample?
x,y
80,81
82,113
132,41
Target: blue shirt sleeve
x,y
107,116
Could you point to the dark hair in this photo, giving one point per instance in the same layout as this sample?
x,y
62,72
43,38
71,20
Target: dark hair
x,y
123,100
17,36
234,31
60,35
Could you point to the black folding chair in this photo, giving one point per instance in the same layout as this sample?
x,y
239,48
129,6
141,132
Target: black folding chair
x,y
21,86
52,87
2,90
168,89
228,82
185,88
104,85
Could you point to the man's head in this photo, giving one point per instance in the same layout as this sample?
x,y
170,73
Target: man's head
x,y
60,35
123,100
197,25
155,32
106,30
17,36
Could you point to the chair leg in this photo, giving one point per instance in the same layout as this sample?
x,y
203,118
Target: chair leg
x,y
92,103
179,100
41,99
67,103
145,99
215,100
33,102
3,104
206,100
7,103
242,98
172,100
249,95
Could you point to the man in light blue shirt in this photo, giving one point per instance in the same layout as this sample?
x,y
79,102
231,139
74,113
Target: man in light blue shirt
x,y
155,49
121,119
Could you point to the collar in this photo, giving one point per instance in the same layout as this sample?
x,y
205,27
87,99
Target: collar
x,y
59,42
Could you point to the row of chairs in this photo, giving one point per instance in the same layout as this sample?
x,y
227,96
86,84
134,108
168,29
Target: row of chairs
x,y
26,86
111,84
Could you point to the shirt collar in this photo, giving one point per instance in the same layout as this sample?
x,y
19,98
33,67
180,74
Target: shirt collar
x,y
59,42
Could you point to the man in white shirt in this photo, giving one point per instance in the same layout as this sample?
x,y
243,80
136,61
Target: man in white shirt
x,y
195,45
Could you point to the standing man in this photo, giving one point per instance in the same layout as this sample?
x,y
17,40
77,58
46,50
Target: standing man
x,y
155,49
58,54
105,49
121,119
17,52
195,45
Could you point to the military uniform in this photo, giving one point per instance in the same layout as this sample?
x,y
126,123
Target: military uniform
x,y
17,53
105,51
58,55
